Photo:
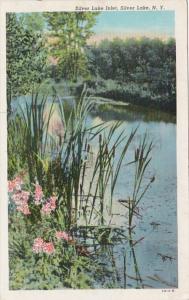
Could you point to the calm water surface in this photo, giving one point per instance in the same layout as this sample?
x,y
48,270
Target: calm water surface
x,y
159,203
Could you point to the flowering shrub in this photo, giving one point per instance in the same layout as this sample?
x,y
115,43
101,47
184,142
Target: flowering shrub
x,y
41,246
49,206
42,253
19,196
38,245
26,202
15,184
38,194
48,248
63,235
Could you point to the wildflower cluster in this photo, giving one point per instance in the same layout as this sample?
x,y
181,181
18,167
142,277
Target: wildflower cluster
x,y
15,184
19,196
40,246
63,235
49,206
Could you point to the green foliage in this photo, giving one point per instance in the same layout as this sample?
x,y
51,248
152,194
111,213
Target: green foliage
x,y
33,21
28,270
71,31
15,142
59,162
142,71
29,275
60,166
78,278
26,57
36,134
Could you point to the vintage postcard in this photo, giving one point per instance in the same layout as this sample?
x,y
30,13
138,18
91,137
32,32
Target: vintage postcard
x,y
94,150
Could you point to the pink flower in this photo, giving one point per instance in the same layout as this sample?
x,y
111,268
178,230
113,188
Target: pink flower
x,y
38,245
15,184
63,235
10,186
24,209
48,248
49,206
53,202
46,209
21,197
38,194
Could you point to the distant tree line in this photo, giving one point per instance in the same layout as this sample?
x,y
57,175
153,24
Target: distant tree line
x,y
138,71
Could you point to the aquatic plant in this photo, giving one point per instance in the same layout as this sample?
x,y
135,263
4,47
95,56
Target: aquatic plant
x,y
70,185
15,145
36,133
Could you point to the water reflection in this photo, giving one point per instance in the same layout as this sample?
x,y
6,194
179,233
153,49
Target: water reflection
x,y
159,204
131,113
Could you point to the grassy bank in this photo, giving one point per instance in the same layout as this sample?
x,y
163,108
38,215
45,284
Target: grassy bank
x,y
136,94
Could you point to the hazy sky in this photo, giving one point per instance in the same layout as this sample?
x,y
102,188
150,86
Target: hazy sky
x,y
136,22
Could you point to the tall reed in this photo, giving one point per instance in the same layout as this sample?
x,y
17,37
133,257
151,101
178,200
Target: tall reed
x,y
36,134
142,160
61,167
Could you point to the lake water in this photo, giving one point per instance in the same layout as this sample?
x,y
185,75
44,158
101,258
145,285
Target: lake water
x,y
156,254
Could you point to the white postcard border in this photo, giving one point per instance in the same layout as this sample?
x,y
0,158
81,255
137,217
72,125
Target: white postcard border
x,y
182,293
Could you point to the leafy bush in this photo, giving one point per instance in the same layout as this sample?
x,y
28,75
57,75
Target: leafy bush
x,y
26,58
42,255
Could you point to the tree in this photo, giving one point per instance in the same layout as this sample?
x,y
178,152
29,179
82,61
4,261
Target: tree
x,y
71,30
26,58
34,21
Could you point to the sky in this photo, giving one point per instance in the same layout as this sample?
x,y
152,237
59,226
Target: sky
x,y
134,22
